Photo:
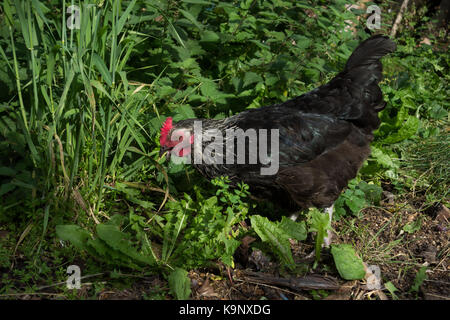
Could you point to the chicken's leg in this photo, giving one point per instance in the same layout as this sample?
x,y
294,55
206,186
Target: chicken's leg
x,y
327,239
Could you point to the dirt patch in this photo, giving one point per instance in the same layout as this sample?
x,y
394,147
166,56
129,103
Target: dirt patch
x,y
384,239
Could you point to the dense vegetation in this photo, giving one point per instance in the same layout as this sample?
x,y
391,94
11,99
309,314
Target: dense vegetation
x,y
81,111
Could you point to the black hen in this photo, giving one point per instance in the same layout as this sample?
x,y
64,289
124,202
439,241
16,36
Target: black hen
x,y
323,135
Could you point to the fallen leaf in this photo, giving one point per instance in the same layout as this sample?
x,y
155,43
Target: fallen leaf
x,y
206,290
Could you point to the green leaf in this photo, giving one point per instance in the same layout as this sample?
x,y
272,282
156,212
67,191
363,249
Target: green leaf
x,y
302,42
230,247
419,279
175,223
6,187
372,192
5,171
209,88
73,233
183,112
173,31
413,226
407,129
100,250
251,77
391,288
294,230
348,264
124,16
120,241
438,112
382,158
318,222
101,67
180,284
209,36
191,18
355,200
272,234
198,2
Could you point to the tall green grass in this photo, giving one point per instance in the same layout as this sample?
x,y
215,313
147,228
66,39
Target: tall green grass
x,y
79,107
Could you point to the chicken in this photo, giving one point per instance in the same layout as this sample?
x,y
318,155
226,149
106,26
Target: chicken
x,y
301,152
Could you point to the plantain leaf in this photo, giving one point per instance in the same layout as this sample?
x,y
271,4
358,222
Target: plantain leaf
x,y
348,264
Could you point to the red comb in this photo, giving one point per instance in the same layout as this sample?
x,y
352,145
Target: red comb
x,y
165,129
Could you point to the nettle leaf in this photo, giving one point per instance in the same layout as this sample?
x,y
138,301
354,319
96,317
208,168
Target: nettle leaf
x,y
156,123
175,167
276,238
183,112
209,36
165,91
339,208
191,18
348,264
294,230
251,77
180,284
260,44
209,88
302,42
438,112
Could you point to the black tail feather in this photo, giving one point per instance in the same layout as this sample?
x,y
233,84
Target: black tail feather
x,y
370,51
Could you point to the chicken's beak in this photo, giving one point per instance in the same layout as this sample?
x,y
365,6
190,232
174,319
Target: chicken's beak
x,y
164,151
